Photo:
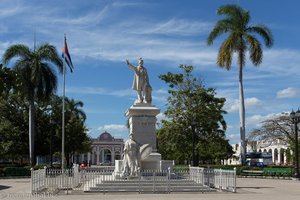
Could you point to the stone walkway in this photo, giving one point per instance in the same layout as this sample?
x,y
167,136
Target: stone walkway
x,y
247,189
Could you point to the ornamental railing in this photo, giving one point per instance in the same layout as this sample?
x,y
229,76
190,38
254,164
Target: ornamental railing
x,y
103,179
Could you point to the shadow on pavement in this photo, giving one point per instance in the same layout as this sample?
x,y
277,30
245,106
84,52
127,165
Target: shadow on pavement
x,y
3,187
252,187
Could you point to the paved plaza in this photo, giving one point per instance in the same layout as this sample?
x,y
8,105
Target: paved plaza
x,y
247,188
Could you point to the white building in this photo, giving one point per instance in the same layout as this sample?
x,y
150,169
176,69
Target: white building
x,y
105,150
279,150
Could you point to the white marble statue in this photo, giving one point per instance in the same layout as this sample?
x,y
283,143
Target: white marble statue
x,y
141,82
131,158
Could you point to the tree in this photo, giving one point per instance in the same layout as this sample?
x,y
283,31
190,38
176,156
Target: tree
x,y
73,108
37,78
193,114
8,79
13,129
278,127
241,38
77,139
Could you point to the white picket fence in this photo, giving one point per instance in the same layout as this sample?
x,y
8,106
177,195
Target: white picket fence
x,y
101,179
53,180
216,178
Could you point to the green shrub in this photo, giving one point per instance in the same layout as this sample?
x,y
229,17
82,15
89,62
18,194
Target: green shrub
x,y
278,171
16,171
8,164
272,170
2,173
36,167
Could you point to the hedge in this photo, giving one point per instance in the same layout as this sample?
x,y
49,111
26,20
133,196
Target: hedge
x,y
16,171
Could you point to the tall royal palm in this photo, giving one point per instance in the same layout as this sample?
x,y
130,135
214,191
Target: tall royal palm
x,y
241,37
37,76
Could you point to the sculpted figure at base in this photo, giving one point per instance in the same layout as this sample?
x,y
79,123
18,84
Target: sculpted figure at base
x,y
132,158
141,82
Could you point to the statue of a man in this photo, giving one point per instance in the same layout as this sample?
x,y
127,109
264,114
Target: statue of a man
x,y
141,82
132,158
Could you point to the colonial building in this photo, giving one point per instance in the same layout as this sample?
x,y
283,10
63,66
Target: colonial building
x,y
279,150
105,150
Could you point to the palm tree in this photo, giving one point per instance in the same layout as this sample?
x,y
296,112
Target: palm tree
x,y
74,109
75,128
241,38
37,76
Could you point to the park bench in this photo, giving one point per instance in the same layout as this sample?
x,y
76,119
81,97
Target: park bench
x,y
252,172
277,171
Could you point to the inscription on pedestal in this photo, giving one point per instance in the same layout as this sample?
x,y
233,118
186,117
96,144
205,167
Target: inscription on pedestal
x,y
142,121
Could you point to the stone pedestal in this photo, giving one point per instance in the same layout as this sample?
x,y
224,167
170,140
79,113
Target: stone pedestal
x,y
152,162
118,169
142,121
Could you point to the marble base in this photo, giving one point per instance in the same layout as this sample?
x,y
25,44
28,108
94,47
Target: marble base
x,y
118,169
152,162
142,123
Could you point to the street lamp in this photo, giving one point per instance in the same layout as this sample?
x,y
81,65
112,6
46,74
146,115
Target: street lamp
x,y
193,125
296,119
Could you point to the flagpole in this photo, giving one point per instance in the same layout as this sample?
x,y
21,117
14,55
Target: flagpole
x,y
63,117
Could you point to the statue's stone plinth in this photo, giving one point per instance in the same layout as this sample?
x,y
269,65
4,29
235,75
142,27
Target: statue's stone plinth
x,y
152,162
142,122
118,169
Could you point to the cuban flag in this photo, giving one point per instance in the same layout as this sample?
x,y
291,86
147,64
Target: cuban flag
x,y
66,56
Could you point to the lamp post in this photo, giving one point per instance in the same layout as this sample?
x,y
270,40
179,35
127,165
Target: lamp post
x,y
296,119
193,124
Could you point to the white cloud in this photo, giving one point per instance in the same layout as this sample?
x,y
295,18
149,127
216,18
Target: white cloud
x,y
113,128
118,40
255,120
89,19
86,90
100,91
287,93
157,96
123,93
233,138
9,8
176,27
229,127
111,39
281,61
249,102
162,91
159,99
127,4
160,95
160,117
232,105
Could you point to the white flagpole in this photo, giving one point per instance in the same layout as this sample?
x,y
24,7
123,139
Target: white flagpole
x,y
63,115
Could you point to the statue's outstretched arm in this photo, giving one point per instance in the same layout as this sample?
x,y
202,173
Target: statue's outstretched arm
x,y
130,65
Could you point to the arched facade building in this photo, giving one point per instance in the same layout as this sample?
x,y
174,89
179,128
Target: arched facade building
x,y
105,150
280,151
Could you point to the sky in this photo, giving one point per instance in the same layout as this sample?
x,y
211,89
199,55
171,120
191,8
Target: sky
x,y
102,34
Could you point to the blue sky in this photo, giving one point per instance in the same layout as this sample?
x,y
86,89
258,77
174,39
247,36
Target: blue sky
x,y
102,34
